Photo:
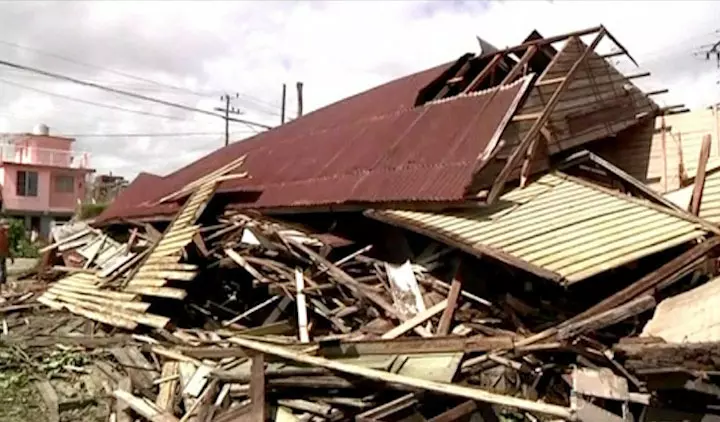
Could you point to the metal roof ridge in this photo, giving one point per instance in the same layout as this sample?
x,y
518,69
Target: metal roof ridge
x,y
481,92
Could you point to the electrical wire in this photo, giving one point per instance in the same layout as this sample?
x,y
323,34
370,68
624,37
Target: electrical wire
x,y
249,98
104,69
148,135
78,100
128,94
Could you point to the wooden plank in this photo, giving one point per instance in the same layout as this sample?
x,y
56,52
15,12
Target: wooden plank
x,y
116,311
588,412
484,73
456,412
526,117
301,307
239,260
166,395
80,299
169,266
121,296
197,382
144,408
607,318
390,378
141,374
171,246
520,150
175,253
518,67
388,409
257,387
68,239
179,236
700,176
600,383
161,260
121,408
168,292
187,370
449,311
147,282
416,320
50,398
114,320
167,274
337,273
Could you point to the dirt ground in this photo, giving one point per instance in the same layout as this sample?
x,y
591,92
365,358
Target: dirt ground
x,y
79,398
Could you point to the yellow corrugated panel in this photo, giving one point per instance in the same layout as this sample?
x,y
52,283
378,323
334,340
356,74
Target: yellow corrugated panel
x,y
560,226
710,204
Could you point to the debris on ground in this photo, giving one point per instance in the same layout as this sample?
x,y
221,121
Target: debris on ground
x,y
583,293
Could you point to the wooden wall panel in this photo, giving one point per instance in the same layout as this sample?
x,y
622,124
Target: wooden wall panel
x,y
600,102
640,152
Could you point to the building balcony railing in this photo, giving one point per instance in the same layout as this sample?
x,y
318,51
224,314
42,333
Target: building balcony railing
x,y
44,157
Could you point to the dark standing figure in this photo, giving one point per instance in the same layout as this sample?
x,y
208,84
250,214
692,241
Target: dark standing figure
x,y
4,250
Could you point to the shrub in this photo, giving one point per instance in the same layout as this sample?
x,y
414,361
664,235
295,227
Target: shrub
x,y
19,242
89,210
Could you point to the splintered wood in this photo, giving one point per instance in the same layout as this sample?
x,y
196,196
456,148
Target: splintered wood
x,y
233,316
163,261
88,294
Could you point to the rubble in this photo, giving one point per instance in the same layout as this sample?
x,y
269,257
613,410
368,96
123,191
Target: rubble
x,y
581,294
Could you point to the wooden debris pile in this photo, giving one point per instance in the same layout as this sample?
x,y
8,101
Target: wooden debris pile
x,y
276,322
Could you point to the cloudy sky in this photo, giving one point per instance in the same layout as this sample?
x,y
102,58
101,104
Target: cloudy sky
x,y
191,52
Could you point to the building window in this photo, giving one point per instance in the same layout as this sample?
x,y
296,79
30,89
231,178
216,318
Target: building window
x,y
27,183
64,184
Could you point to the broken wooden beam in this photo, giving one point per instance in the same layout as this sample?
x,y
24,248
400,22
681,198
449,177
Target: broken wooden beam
x,y
390,378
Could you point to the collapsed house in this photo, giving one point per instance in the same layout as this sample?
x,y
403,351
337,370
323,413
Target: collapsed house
x,y
509,235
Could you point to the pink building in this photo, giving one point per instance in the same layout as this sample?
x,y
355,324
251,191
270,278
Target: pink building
x,y
42,178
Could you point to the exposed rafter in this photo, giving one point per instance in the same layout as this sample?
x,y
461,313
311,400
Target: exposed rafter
x,y
529,137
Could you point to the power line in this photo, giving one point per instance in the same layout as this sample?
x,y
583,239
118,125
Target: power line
x,y
126,93
249,98
227,110
108,106
105,69
147,135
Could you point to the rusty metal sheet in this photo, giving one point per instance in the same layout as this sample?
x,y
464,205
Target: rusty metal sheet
x,y
369,148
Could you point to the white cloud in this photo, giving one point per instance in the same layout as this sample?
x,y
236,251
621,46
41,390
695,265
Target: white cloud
x,y
337,48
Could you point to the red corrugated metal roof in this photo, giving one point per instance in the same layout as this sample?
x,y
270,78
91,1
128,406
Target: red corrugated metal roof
x,y
143,188
373,147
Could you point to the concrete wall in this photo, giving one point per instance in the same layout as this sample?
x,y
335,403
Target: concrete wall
x,y
48,199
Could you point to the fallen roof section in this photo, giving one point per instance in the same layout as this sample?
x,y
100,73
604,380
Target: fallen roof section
x,y
709,202
558,227
432,137
425,153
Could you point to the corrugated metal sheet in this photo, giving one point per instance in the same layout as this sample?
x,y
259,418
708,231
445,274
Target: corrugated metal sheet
x,y
710,203
557,225
369,148
143,188
690,317
639,150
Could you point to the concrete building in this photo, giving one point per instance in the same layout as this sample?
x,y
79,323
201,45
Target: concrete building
x,y
43,179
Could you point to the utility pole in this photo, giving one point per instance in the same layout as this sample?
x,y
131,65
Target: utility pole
x,y
299,99
713,51
282,111
228,110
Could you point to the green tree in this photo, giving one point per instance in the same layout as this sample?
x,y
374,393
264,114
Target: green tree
x,y
20,245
